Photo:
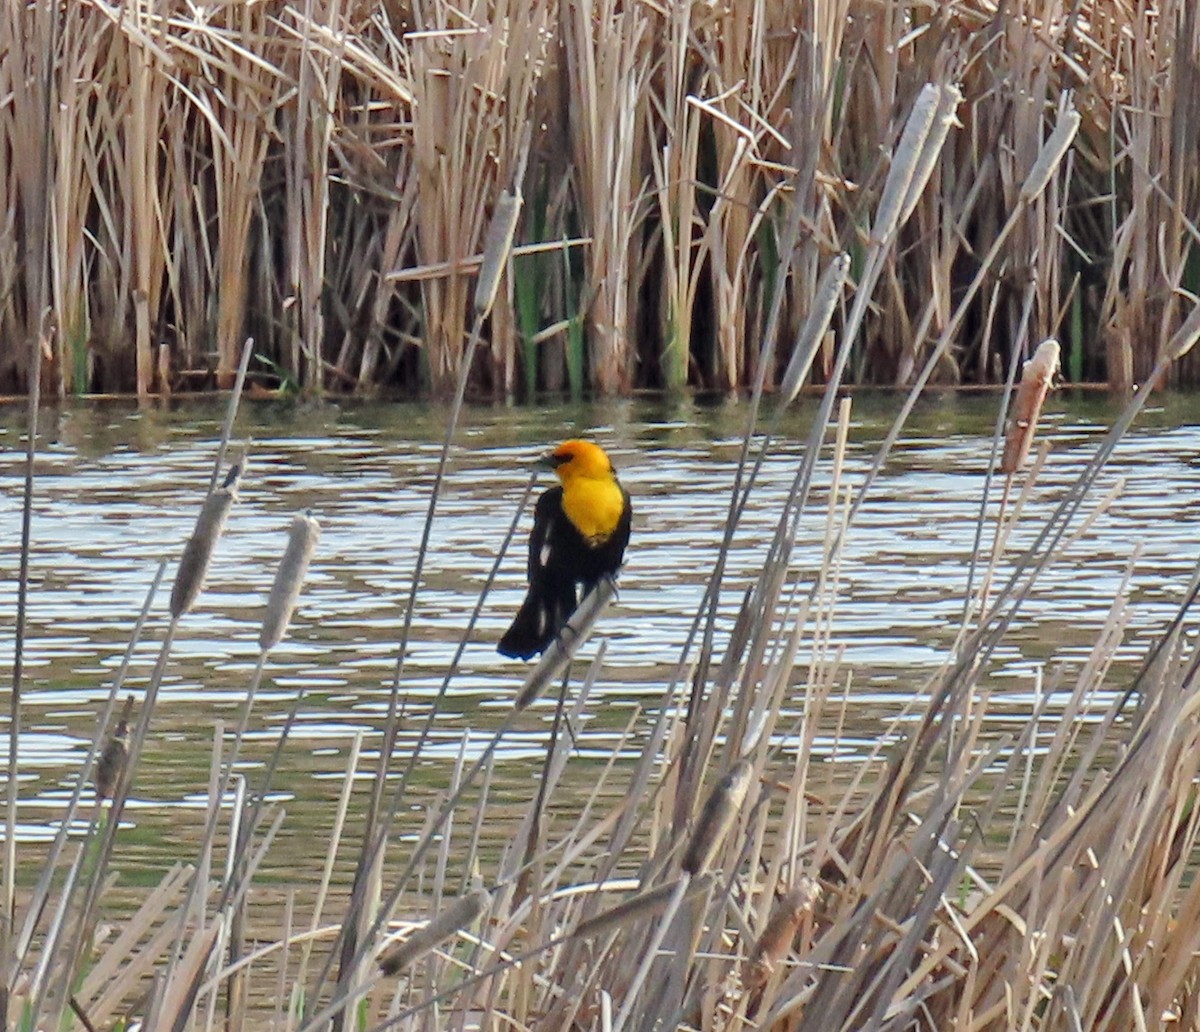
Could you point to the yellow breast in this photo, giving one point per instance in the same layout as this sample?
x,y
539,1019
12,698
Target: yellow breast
x,y
594,507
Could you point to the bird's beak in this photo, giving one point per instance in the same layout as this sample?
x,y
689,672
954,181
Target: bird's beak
x,y
550,461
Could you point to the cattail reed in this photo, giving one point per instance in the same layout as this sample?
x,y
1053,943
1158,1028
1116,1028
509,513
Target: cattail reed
x,y
906,159
776,939
450,919
824,304
1051,154
496,246
717,817
111,764
197,553
949,97
289,577
1037,375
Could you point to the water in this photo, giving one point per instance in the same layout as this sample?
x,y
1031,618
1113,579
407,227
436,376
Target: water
x,y
118,488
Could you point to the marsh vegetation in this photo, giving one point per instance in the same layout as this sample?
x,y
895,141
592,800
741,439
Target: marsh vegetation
x,y
320,176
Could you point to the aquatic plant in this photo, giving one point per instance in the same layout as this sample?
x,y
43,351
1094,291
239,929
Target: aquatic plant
x,y
322,177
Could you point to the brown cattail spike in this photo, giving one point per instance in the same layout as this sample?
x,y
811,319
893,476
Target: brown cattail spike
x,y
1037,375
450,919
285,591
717,817
197,553
776,939
111,765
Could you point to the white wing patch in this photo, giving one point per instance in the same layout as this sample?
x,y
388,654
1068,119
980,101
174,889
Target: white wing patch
x,y
544,554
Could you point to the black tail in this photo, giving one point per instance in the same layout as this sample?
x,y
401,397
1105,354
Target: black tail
x,y
539,619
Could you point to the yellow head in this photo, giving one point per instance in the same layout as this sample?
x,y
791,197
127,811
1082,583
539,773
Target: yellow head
x,y
575,460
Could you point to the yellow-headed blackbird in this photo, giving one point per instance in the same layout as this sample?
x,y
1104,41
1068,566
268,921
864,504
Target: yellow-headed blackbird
x,y
580,531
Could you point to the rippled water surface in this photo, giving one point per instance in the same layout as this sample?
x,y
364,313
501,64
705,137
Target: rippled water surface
x,y
117,490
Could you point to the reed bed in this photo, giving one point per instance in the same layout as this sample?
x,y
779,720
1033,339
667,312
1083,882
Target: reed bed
x,y
320,174
716,877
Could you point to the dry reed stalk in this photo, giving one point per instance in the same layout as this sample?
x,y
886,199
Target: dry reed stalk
x,y
474,78
237,94
605,44
674,152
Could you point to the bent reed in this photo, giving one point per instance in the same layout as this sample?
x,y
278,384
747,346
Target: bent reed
x,y
322,176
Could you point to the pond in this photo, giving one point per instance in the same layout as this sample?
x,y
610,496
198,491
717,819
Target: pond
x,y
118,488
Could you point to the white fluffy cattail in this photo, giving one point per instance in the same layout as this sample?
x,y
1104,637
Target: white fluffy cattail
x,y
905,161
289,577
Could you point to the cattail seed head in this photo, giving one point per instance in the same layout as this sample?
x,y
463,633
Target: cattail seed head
x,y
289,577
905,160
496,246
450,919
197,553
717,816
1037,375
1051,154
111,764
949,97
776,939
824,304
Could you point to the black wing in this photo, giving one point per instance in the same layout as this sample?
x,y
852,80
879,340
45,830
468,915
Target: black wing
x,y
546,517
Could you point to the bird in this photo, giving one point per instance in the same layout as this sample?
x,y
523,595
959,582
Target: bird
x,y
580,530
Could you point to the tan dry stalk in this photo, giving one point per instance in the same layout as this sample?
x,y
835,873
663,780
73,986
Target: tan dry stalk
x,y
197,553
289,578
475,74
606,54
1037,377
238,94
